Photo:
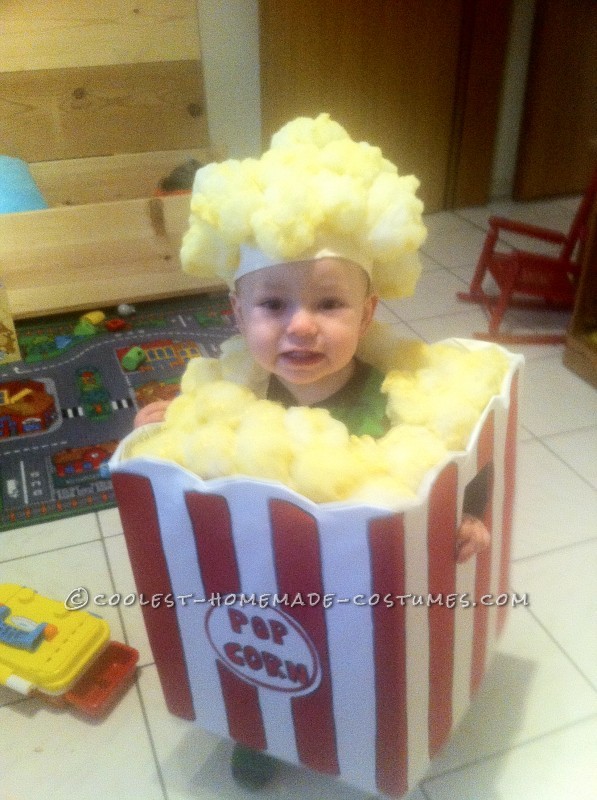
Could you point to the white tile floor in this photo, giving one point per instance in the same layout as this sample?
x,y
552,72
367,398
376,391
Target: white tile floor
x,y
532,731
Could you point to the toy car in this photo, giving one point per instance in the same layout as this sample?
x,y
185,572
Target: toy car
x,y
133,358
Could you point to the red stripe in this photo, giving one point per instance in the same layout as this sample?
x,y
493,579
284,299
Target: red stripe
x,y
137,506
212,527
509,486
386,542
297,557
442,581
245,722
483,567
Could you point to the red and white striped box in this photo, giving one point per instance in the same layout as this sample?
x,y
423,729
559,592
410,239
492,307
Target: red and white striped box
x,y
316,632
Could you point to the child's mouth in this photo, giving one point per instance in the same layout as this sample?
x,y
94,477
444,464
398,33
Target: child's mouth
x,y
302,357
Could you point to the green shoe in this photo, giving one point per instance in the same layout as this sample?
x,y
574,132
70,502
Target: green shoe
x,y
252,769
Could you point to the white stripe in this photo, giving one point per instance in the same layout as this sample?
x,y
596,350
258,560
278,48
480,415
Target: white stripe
x,y
347,574
501,421
417,644
24,483
465,617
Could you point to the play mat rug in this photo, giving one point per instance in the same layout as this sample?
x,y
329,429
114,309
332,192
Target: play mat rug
x,y
73,396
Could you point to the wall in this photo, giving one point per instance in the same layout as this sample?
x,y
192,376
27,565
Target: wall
x,y
513,94
86,79
82,35
230,48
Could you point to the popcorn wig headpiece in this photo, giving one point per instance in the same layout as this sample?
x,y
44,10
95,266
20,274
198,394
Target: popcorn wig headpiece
x,y
314,193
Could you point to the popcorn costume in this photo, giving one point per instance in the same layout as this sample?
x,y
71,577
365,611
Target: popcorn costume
x,y
235,497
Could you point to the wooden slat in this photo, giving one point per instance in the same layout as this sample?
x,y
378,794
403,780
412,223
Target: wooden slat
x,y
95,255
54,34
96,111
107,178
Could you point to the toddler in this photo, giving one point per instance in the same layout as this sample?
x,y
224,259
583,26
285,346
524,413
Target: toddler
x,y
302,322
308,238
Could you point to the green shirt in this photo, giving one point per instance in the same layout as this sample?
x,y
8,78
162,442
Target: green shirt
x,y
359,404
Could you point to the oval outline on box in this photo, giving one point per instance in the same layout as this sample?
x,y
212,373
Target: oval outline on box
x,y
263,648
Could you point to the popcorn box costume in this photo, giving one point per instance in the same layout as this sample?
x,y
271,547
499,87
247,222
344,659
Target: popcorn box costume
x,y
341,636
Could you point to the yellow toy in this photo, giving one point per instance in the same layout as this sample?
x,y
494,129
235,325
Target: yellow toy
x,y
56,652
9,344
94,317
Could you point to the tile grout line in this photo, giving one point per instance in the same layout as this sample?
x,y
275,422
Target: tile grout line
x,y
562,460
563,651
541,440
553,550
505,751
149,732
51,550
140,698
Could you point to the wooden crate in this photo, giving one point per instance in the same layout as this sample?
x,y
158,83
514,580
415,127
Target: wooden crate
x,y
125,176
95,255
102,98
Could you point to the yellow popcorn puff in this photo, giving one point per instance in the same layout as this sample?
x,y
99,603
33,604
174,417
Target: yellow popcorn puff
x,y
221,401
327,474
219,427
211,451
263,448
448,393
308,426
165,444
200,371
411,451
313,191
382,490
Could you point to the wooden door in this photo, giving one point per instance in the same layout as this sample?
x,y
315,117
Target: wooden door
x,y
560,120
419,78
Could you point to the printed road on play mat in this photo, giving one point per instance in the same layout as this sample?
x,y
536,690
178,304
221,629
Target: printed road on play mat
x,y
66,405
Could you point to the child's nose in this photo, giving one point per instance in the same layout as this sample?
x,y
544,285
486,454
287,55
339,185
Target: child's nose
x,y
302,323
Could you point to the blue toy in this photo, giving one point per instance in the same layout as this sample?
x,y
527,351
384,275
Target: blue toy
x,y
18,190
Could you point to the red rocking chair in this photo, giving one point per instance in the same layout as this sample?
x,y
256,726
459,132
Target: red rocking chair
x,y
526,279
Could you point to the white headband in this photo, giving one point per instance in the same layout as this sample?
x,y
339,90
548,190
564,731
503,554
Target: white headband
x,y
252,259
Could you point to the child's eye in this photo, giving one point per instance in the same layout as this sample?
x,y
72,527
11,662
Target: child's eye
x,y
272,304
331,303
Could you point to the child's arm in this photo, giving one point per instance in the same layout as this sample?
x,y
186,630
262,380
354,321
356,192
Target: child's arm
x,y
152,412
472,536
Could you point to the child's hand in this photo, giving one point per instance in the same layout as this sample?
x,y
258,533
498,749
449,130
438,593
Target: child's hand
x,y
472,538
152,412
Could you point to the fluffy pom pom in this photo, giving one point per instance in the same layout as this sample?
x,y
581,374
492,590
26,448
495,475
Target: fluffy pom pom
x,y
218,427
315,188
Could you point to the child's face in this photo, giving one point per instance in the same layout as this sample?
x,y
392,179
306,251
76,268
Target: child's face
x,y
303,322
